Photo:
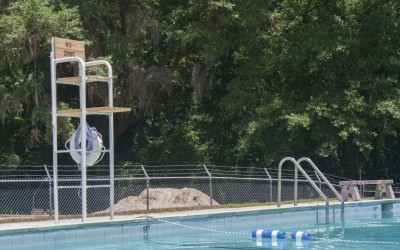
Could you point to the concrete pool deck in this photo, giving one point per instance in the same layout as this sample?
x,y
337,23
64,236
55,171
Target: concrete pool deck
x,y
44,225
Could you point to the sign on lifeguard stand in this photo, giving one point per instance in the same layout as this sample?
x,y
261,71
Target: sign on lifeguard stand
x,y
68,48
67,51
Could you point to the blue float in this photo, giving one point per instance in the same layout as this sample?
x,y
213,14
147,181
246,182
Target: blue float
x,y
299,235
267,234
259,233
278,234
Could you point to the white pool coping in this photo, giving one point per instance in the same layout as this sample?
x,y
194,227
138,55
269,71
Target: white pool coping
x,y
45,225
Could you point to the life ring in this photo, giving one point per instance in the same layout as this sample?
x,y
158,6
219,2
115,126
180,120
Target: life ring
x,y
94,146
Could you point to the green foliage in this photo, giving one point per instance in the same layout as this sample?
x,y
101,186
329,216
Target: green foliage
x,y
333,80
223,82
26,28
42,117
11,159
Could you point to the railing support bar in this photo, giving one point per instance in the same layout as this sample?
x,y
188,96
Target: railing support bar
x,y
50,190
147,187
210,185
270,184
319,180
296,184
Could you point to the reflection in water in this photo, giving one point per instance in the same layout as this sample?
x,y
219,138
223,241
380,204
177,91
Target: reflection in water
x,y
146,229
267,243
387,210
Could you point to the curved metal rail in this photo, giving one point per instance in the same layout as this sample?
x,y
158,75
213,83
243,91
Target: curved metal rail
x,y
322,176
298,167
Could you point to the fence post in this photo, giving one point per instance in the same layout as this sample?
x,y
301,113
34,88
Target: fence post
x,y
210,179
362,185
319,179
270,184
50,190
147,187
296,184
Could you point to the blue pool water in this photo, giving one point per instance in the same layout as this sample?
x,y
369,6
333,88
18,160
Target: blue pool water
x,y
364,226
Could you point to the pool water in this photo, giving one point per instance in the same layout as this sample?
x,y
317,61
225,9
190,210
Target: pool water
x,y
364,226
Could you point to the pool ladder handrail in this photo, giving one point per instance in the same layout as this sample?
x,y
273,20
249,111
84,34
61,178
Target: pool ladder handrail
x,y
322,176
319,191
296,168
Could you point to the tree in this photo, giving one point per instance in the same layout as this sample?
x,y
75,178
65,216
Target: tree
x,y
331,88
222,81
26,30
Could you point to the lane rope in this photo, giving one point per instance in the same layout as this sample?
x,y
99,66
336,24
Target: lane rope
x,y
203,229
249,234
196,228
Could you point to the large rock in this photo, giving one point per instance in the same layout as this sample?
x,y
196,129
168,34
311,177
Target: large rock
x,y
164,198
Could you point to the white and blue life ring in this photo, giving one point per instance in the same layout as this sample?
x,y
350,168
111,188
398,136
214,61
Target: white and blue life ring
x,y
94,146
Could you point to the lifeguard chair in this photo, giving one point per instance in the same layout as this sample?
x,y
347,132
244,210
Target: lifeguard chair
x,y
72,51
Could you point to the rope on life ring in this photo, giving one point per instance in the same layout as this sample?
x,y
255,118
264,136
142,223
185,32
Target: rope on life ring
x,y
94,145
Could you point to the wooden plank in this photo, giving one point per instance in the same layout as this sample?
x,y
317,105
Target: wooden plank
x,y
365,182
69,80
77,79
94,111
68,48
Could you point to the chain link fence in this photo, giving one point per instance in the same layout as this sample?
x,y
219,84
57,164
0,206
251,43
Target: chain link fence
x,y
29,191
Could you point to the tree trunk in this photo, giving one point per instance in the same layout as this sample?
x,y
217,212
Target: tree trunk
x,y
350,158
122,16
333,6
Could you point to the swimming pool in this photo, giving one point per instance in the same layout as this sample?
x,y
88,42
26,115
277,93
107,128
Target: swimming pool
x,y
365,226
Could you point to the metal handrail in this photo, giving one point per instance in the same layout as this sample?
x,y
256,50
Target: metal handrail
x,y
298,167
320,174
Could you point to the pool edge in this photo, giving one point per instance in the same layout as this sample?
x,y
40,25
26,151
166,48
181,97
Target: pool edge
x,y
40,226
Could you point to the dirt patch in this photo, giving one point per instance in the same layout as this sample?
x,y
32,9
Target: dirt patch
x,y
7,218
164,198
